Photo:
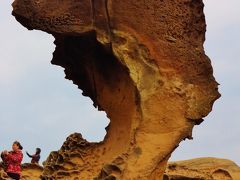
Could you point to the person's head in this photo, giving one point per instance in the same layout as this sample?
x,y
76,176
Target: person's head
x,y
38,150
16,146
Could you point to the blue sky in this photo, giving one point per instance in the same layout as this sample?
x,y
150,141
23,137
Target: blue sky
x,y
40,108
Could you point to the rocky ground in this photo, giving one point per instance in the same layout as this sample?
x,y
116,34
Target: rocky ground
x,y
195,169
29,172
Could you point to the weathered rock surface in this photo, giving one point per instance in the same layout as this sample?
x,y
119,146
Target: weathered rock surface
x,y
29,172
194,169
203,169
3,175
143,63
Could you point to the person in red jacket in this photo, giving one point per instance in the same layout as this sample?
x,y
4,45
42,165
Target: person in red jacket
x,y
12,161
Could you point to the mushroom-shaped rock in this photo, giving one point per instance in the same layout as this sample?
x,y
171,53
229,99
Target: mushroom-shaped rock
x,y
143,63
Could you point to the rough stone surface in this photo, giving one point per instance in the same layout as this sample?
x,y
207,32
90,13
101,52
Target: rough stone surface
x,y
29,172
194,169
203,169
3,175
143,63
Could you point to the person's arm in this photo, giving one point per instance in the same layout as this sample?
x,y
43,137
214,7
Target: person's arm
x,y
29,155
3,156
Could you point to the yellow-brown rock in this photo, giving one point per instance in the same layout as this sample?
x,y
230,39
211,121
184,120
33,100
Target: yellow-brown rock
x,y
29,172
3,175
203,169
143,63
194,169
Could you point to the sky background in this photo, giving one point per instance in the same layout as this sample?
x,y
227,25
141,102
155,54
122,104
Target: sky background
x,y
40,108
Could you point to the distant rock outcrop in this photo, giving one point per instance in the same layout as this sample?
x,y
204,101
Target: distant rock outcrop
x,y
143,63
203,169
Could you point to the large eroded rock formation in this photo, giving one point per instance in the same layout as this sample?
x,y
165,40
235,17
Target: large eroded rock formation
x,y
143,63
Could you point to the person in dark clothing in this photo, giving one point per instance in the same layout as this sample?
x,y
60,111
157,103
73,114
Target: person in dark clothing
x,y
35,157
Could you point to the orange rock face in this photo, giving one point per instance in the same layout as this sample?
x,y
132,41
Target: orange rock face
x,y
143,63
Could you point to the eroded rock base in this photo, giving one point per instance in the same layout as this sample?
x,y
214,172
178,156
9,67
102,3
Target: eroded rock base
x,y
195,169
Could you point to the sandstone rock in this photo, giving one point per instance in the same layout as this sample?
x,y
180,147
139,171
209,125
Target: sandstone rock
x,y
203,169
3,175
143,63
29,172
194,169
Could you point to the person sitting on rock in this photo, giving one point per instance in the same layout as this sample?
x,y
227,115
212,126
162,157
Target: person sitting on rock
x,y
12,161
35,157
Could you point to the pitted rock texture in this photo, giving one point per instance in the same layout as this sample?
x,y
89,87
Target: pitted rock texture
x,y
3,175
194,169
143,63
203,169
29,172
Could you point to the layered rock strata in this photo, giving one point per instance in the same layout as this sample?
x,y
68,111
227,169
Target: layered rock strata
x,y
140,61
